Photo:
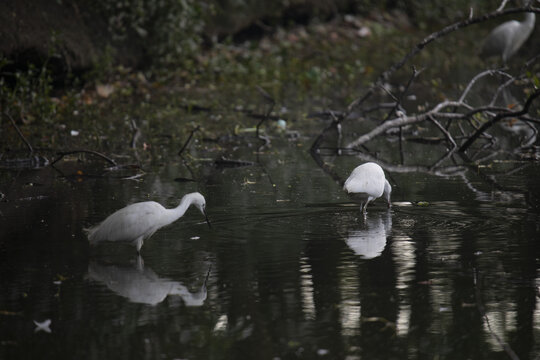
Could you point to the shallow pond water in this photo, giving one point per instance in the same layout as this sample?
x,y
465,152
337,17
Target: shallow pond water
x,y
290,268
294,269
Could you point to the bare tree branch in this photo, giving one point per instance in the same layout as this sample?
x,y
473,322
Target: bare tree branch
x,y
408,120
30,149
479,76
443,130
499,117
433,37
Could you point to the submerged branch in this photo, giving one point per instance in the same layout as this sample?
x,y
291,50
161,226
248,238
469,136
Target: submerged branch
x,y
272,103
136,134
64,153
188,140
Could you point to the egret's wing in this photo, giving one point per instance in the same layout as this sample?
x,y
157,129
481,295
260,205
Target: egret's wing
x,y
128,223
369,180
499,38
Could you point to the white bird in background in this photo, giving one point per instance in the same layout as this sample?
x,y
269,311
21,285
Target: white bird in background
x,y
367,183
506,39
137,222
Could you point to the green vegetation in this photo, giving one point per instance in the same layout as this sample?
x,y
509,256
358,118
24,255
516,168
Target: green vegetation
x,y
29,97
171,30
320,63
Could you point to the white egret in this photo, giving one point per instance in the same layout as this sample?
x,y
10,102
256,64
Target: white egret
x,y
506,39
367,183
137,222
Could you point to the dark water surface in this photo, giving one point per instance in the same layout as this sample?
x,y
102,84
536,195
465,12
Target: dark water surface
x,y
451,271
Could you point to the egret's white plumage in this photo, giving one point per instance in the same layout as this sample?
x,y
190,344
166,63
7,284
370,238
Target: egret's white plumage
x,y
137,222
367,183
506,39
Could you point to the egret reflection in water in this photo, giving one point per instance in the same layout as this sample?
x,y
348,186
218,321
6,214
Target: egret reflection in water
x,y
370,241
142,285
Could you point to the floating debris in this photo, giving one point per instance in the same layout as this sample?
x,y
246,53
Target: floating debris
x,y
224,162
183,179
44,326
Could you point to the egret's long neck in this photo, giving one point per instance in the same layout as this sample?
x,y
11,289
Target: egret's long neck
x,y
387,191
530,19
189,298
174,214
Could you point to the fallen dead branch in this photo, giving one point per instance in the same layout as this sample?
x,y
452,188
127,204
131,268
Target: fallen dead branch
x,y
30,149
460,122
459,112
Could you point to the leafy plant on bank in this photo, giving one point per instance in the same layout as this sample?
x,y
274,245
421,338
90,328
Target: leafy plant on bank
x,y
26,94
171,30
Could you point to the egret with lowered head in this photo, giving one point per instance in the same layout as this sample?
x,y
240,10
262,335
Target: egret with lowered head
x,y
137,222
367,183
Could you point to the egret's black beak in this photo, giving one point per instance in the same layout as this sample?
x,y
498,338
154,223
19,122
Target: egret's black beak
x,y
207,275
207,220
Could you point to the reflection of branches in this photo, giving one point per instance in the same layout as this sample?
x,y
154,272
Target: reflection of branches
x,y
64,153
482,311
272,103
78,176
